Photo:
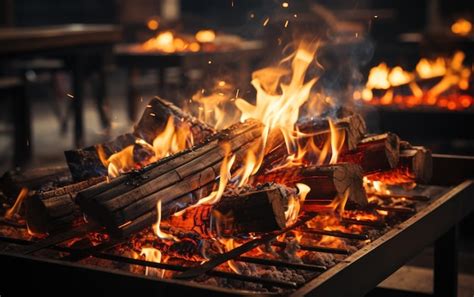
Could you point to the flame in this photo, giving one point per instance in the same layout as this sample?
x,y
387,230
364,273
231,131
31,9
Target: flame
x,y
461,27
451,75
294,204
156,227
153,24
152,255
337,141
17,205
170,141
205,36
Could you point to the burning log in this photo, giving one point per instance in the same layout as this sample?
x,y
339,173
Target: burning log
x,y
128,203
85,163
13,181
374,154
326,181
352,127
55,210
415,165
260,209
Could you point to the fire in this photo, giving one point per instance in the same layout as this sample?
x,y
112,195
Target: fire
x,y
156,227
16,206
461,27
205,36
294,205
437,82
152,255
172,139
167,42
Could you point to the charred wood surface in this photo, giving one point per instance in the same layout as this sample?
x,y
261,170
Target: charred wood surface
x,y
376,153
129,202
55,210
326,181
260,209
85,163
33,179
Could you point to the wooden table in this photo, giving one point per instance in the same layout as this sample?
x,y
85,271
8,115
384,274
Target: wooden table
x,y
132,58
76,44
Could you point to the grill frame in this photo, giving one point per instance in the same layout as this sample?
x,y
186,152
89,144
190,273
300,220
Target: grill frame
x,y
354,276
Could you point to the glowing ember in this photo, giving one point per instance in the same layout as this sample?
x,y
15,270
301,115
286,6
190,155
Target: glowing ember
x,y
461,27
205,36
438,82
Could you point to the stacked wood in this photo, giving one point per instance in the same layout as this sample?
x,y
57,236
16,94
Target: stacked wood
x,y
55,210
374,154
415,165
352,128
258,209
85,163
50,177
129,204
326,181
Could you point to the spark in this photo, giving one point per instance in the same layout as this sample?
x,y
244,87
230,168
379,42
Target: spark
x,y
266,21
70,96
285,4
286,23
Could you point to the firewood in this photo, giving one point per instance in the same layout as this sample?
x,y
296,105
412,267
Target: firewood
x,y
326,181
13,181
55,210
374,154
259,209
415,165
127,202
85,163
352,127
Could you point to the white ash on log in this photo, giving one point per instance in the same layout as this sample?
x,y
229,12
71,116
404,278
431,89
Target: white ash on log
x,y
33,179
53,211
375,153
85,163
325,181
253,209
130,203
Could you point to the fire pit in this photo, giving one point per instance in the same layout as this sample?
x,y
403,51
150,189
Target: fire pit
x,y
274,203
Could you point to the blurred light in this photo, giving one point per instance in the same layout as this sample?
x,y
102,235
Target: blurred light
x,y
153,25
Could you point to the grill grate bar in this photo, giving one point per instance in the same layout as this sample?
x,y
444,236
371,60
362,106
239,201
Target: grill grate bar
x,y
321,249
367,223
279,263
336,234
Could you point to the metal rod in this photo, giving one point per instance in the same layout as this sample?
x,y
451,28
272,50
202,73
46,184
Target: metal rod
x,y
399,209
407,196
335,233
367,223
311,248
279,263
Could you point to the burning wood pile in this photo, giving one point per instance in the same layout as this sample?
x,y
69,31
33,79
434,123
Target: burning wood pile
x,y
441,82
179,191
169,42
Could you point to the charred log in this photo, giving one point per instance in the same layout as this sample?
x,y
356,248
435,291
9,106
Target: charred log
x,y
55,210
326,181
374,154
352,128
260,209
40,178
85,163
129,202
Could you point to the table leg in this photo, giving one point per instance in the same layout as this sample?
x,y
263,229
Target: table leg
x,y
22,126
102,104
132,95
446,265
78,76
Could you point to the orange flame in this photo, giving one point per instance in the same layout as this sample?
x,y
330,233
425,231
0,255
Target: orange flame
x,y
18,202
156,227
461,27
152,255
171,140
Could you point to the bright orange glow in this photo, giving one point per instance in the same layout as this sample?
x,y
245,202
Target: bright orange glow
x,y
152,255
156,227
205,36
171,140
437,82
152,24
17,205
461,27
